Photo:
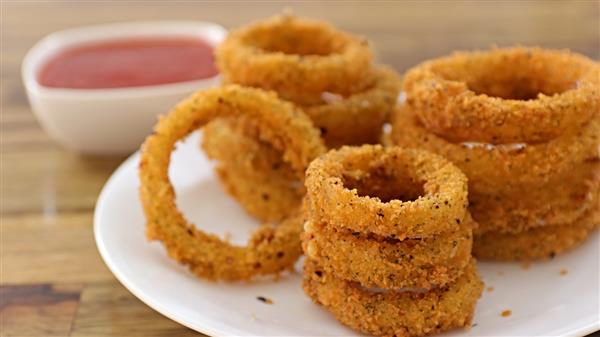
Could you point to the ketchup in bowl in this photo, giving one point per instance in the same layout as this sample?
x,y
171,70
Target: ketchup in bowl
x,y
131,62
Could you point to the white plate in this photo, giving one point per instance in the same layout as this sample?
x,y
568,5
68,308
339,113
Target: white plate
x,y
542,302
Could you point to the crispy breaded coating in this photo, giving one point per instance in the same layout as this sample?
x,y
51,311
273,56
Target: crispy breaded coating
x,y
269,250
298,58
503,168
512,189
537,243
395,313
358,118
391,192
375,261
252,171
505,95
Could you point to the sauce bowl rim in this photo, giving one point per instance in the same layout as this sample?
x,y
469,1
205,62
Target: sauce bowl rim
x,y
48,46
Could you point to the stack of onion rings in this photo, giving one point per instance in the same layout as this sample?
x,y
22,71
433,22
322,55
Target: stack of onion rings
x,y
537,243
529,179
376,261
269,250
395,313
388,231
253,173
512,189
329,73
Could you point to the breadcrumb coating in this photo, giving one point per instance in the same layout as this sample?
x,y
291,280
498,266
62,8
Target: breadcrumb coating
x,y
380,262
298,58
345,188
252,171
358,118
511,190
537,243
395,313
501,96
269,250
494,169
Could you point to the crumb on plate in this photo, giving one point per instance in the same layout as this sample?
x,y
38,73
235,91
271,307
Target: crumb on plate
x,y
264,299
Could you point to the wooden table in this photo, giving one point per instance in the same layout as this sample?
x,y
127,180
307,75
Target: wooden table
x,y
53,282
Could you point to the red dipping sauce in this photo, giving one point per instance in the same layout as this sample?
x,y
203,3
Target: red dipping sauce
x,y
130,63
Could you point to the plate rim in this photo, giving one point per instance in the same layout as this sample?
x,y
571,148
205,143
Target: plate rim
x,y
106,257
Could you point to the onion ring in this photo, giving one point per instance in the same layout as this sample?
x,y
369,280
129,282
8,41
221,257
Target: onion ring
x,y
388,263
298,58
252,171
513,95
395,313
536,243
357,119
269,250
563,200
494,169
510,189
340,182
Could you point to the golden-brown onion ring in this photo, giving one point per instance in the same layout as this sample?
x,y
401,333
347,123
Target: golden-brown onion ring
x,y
512,189
563,200
379,262
493,169
298,58
362,188
536,243
357,119
269,250
513,95
395,313
252,171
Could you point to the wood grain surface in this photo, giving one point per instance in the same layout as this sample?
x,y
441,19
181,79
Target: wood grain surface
x,y
53,282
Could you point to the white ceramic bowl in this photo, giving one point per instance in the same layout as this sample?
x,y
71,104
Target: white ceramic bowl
x,y
108,121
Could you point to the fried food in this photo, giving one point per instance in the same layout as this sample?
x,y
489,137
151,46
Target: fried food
x,y
513,189
380,262
563,200
340,186
298,58
537,243
269,250
525,134
504,168
328,73
252,171
388,241
395,312
358,118
503,96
